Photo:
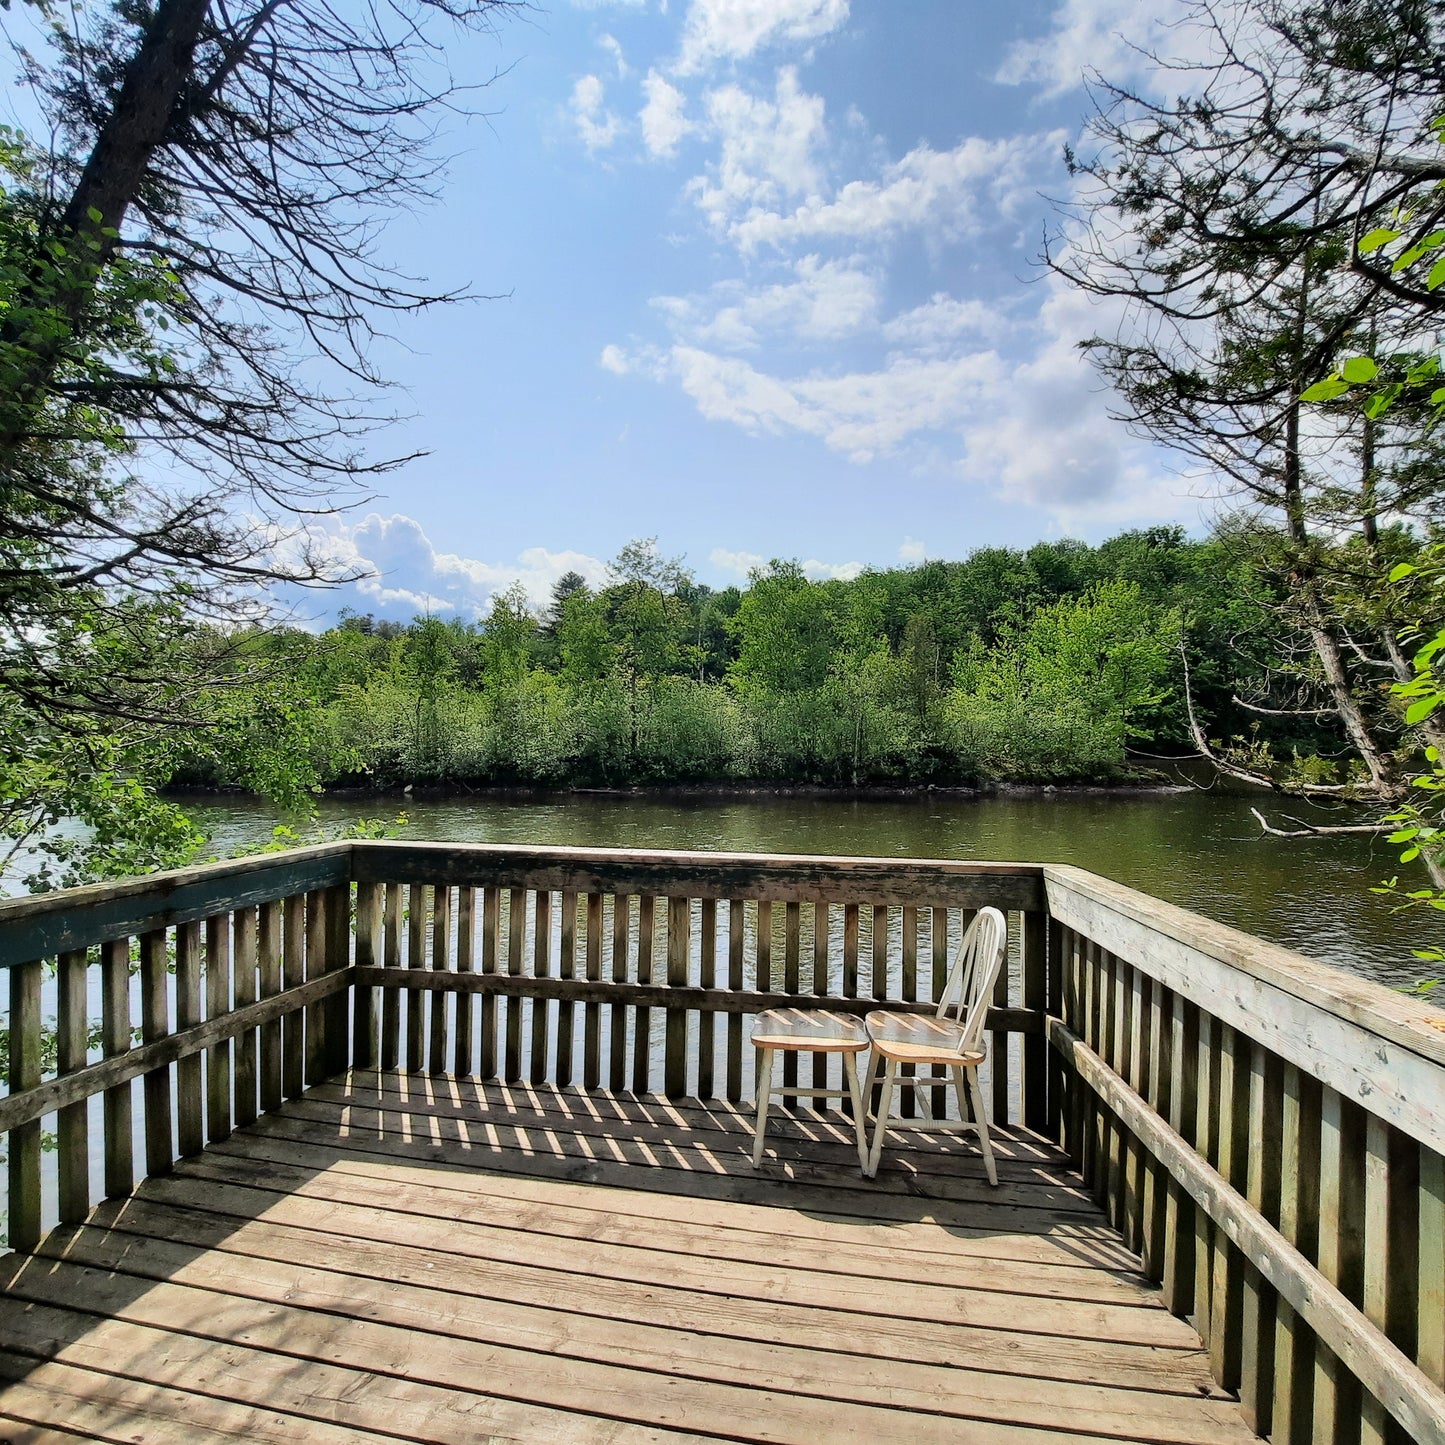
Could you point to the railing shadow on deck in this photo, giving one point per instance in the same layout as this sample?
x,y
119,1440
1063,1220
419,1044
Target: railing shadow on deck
x,y
1268,1134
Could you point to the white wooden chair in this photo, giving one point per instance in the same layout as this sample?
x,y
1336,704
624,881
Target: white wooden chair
x,y
813,1031
952,1037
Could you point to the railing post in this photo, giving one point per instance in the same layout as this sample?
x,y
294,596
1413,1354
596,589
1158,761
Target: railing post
x,y
1035,988
24,1141
368,950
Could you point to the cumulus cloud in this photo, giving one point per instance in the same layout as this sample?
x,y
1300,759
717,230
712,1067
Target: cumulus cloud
x,y
733,29
1112,38
912,550
947,194
767,151
614,359
597,126
742,564
663,118
406,574
942,321
826,300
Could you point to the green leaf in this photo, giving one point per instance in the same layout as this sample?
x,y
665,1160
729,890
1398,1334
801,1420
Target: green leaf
x,y
1419,711
1401,570
1328,389
1371,241
1436,278
1360,369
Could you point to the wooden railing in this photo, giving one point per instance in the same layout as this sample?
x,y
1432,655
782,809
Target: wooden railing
x,y
1266,1132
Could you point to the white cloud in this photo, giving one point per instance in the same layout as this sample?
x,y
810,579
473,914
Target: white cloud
x,y
941,321
734,29
613,47
596,125
408,575
826,301
768,149
743,563
861,414
614,359
912,550
1114,39
940,192
663,118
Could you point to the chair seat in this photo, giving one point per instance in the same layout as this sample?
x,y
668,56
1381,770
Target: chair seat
x,y
920,1039
813,1030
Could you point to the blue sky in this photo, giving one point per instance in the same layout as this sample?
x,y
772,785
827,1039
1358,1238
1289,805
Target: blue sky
x,y
768,288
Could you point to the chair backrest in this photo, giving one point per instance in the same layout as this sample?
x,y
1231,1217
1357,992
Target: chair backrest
x,y
975,970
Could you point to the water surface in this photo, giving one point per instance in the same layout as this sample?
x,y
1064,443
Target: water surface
x,y
1199,849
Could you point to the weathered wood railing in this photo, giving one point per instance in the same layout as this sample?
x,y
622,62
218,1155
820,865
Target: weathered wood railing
x,y
1268,1133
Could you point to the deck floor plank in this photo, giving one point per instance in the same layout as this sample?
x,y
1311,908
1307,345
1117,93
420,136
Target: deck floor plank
x,y
392,1257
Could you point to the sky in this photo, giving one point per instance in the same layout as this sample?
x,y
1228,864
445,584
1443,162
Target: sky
x,y
766,285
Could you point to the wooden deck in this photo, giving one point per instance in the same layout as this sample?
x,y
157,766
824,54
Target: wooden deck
x,y
422,1258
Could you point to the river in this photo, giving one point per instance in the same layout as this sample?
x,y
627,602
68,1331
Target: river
x,y
1199,849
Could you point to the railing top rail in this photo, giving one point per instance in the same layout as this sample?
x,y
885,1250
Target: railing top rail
x,y
1410,1022
47,923
824,878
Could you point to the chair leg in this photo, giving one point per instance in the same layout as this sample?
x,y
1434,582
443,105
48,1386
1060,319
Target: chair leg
x,y
981,1118
765,1089
870,1079
860,1121
880,1126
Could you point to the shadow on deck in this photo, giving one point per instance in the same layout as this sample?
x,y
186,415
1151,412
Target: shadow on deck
x,y
431,1259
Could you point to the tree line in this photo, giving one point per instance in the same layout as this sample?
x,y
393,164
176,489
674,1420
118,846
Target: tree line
x,y
1062,662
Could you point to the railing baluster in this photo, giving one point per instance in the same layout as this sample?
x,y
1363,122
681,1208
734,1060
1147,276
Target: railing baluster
x,y
294,1025
541,968
1292,1414
1341,1211
1430,1285
72,1123
391,995
116,1040
516,937
416,937
820,988
642,1028
466,963
190,1110
737,921
23,1143
155,1024
1262,1142
617,1013
491,963
1204,1101
939,941
440,999
792,960
850,950
998,1050
1179,1279
336,1052
1158,1039
1034,1050
566,968
592,1014
908,983
707,978
268,964
1134,1068
244,923
679,947
368,953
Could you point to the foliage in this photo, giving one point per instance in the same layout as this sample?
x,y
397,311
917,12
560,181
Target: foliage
x,y
1045,665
